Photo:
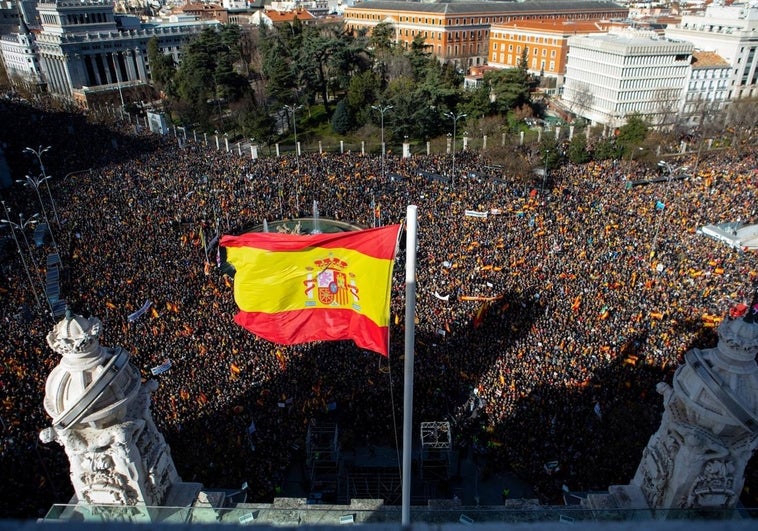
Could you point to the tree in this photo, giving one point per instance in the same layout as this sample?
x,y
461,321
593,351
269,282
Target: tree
x,y
341,122
419,56
741,117
382,38
278,73
606,149
632,134
666,106
162,68
364,90
207,75
577,150
581,100
510,88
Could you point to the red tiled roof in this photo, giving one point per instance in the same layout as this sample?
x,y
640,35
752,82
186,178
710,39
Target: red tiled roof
x,y
701,59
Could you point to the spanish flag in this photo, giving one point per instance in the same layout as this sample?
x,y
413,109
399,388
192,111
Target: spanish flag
x,y
294,289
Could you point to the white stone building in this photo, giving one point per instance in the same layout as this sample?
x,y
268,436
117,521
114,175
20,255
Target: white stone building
x,y
84,48
732,33
19,55
611,76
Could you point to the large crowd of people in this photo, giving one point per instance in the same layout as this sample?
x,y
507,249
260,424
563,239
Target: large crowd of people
x,y
541,328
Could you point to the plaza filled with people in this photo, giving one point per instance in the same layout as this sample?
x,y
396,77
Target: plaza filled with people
x,y
541,328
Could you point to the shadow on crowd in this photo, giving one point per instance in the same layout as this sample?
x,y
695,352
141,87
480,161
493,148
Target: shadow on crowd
x,y
71,136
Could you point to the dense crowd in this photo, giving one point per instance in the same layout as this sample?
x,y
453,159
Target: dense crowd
x,y
541,328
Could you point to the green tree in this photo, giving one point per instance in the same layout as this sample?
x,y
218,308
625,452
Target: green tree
x,y
607,149
577,150
510,88
277,68
162,68
419,56
632,134
363,91
207,75
382,38
341,122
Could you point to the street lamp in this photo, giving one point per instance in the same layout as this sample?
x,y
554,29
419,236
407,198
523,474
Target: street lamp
x,y
631,159
118,81
21,226
663,165
544,171
382,109
293,109
20,253
39,152
35,183
454,117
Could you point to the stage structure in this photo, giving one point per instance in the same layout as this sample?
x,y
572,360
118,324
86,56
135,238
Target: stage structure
x,y
323,459
436,455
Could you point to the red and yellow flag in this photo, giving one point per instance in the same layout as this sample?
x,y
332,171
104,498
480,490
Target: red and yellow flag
x,y
298,288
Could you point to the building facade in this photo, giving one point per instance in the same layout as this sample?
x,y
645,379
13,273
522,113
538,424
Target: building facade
x,y
611,76
707,87
460,31
84,48
544,41
732,33
19,55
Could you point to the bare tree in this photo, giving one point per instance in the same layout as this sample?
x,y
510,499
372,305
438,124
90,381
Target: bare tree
x,y
581,100
667,101
741,117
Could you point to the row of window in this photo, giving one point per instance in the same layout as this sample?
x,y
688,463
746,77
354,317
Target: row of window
x,y
535,51
613,71
527,38
454,35
513,61
464,50
434,21
712,84
84,18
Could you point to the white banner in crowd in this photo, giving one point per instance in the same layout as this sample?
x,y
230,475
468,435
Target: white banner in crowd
x,y
160,369
475,214
139,313
440,297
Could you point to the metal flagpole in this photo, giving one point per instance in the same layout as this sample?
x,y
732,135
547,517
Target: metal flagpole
x,y
410,340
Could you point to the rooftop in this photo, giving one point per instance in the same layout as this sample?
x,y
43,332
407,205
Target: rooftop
x,y
462,8
701,59
557,25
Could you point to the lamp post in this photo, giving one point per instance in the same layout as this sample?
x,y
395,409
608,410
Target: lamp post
x,y
670,171
454,117
20,253
544,171
631,160
293,109
39,152
21,226
382,109
35,183
118,82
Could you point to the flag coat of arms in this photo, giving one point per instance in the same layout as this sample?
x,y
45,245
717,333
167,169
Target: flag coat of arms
x,y
299,288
